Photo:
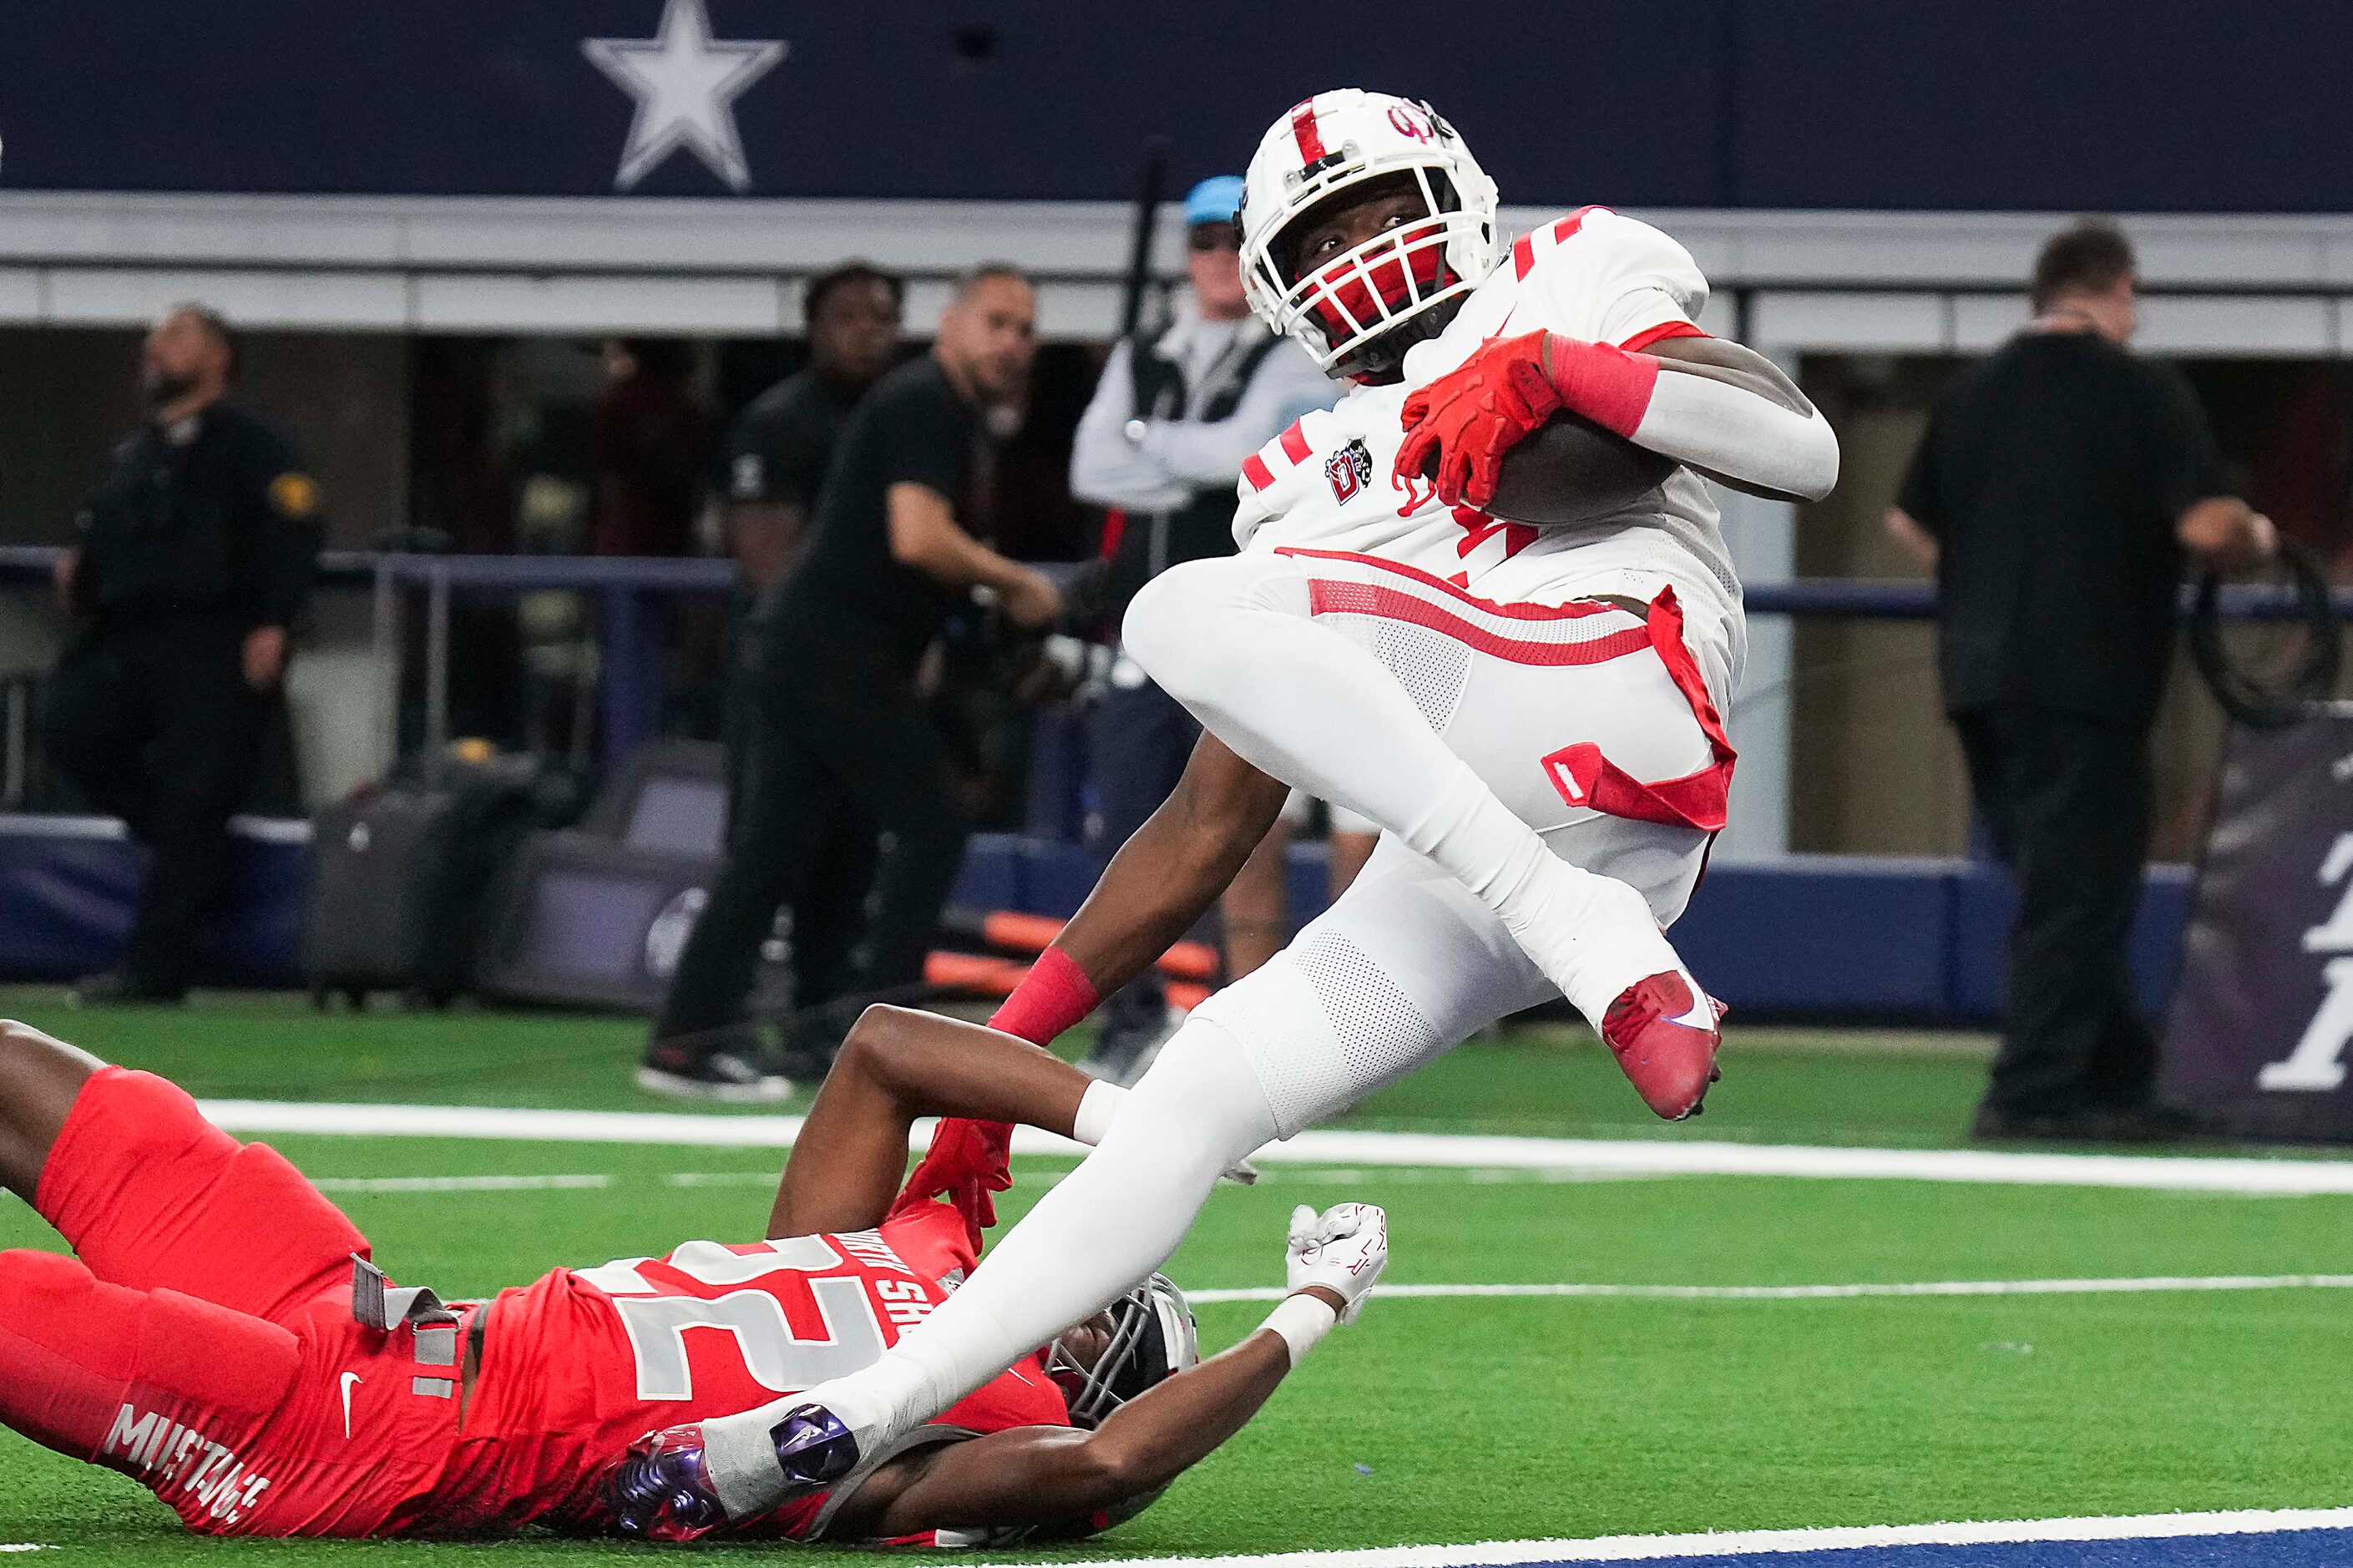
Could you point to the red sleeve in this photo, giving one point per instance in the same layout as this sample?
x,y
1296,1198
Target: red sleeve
x,y
967,1161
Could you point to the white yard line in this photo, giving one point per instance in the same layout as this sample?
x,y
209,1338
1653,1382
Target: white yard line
x,y
2090,1286
464,1184
1432,1176
1666,1157
1624,1157
674,1129
1665,1548
2125,1286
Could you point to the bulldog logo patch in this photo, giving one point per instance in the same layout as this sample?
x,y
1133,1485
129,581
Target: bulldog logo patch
x,y
1349,470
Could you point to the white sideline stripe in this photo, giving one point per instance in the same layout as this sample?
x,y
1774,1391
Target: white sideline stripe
x,y
463,1184
2125,1287
1665,1158
676,1129
1431,1175
1661,1548
1620,1157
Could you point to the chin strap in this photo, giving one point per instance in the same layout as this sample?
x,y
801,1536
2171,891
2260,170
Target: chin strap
x,y
1380,361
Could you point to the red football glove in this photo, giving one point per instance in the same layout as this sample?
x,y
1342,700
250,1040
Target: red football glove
x,y
1474,415
968,1161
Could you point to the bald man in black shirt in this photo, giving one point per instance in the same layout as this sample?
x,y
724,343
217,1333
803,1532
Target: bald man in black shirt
x,y
2061,489
838,724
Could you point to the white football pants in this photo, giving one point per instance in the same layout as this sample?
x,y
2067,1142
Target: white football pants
x,y
1340,685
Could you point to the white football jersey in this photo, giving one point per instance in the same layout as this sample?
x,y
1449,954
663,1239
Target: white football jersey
x,y
1325,484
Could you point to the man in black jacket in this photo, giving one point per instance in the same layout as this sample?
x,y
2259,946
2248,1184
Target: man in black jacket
x,y
194,553
2059,490
838,723
779,447
776,454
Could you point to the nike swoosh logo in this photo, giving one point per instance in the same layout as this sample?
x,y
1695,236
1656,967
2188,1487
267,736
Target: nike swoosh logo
x,y
351,1380
1701,1015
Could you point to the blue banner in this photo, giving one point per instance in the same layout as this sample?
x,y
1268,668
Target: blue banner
x,y
2057,104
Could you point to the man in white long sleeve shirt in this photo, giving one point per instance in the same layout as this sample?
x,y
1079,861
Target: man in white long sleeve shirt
x,y
1159,448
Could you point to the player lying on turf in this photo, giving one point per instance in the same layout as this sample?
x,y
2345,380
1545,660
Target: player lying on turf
x,y
215,1338
1531,713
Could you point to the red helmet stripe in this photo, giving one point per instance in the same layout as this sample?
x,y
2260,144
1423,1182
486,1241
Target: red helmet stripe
x,y
1303,131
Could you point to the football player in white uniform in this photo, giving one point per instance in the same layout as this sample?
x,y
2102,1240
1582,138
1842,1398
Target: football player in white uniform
x,y
1532,714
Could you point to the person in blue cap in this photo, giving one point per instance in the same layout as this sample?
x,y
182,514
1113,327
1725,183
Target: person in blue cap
x,y
1160,448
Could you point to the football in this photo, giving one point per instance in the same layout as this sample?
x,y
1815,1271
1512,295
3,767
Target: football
x,y
1571,470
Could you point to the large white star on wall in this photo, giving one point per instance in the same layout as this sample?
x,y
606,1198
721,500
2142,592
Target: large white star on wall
x,y
686,83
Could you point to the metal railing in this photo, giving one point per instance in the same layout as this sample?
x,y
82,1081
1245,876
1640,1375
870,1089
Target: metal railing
x,y
629,696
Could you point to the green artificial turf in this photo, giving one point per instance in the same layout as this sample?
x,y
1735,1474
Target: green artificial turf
x,y
1452,1419
1780,1085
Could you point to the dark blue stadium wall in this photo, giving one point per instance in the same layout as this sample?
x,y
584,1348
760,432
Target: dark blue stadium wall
x,y
1995,104
1813,935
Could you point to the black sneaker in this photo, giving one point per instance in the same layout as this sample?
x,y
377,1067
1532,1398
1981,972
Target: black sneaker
x,y
2153,1122
734,1073
1126,1048
122,988
2085,1124
813,1038
2147,1122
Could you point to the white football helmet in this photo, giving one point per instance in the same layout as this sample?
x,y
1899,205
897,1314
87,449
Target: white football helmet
x,y
1348,309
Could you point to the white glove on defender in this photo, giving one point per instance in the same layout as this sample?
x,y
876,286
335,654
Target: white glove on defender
x,y
1344,1250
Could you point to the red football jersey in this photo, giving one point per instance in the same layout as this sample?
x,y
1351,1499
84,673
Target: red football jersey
x,y
582,1363
358,1433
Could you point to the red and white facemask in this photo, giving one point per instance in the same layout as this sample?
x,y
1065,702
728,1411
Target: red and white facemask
x,y
1333,145
1388,279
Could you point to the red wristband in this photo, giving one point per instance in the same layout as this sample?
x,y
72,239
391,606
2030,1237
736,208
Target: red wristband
x,y
1054,994
1601,381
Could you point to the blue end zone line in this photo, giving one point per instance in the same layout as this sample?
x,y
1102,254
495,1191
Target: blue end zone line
x,y
1662,1157
2289,1538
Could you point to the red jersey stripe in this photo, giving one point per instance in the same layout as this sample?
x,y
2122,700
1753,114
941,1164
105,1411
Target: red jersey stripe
x,y
1523,249
1294,443
1568,223
1254,470
1659,333
1574,610
1326,596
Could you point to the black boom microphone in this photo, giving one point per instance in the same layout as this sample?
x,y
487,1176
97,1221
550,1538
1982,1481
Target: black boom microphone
x,y
1148,192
